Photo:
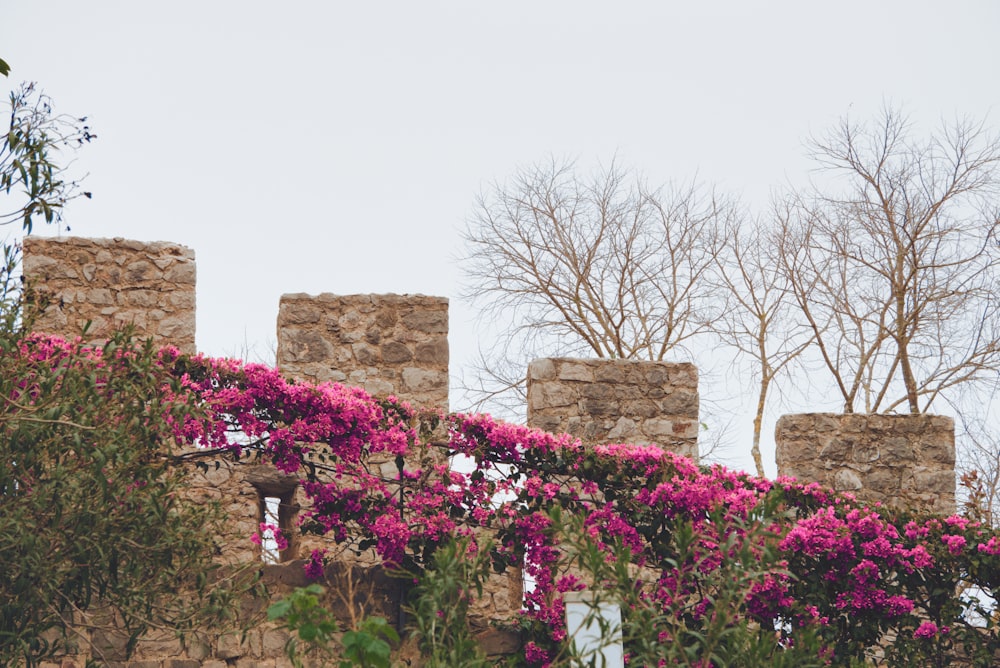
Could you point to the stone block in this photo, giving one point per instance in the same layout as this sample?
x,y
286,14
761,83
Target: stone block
x,y
395,352
304,346
623,430
599,407
576,371
658,428
498,642
846,480
541,369
274,641
367,354
229,646
433,352
423,380
197,646
428,322
388,344
604,401
903,460
111,644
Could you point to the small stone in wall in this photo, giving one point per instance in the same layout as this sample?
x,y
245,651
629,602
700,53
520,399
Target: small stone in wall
x,y
846,480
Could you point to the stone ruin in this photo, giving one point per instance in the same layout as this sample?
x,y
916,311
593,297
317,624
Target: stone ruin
x,y
616,401
109,283
904,461
398,344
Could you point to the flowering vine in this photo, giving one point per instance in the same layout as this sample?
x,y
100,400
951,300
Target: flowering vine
x,y
853,574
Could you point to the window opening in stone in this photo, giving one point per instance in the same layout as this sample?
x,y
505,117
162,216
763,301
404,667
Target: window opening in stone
x,y
276,507
270,553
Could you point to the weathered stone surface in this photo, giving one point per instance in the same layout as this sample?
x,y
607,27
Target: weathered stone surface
x,y
230,647
614,401
305,346
427,321
274,641
111,644
433,352
395,352
497,642
111,283
846,480
900,460
388,344
423,381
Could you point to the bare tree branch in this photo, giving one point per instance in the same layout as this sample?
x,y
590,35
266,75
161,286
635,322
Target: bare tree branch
x,y
896,272
604,265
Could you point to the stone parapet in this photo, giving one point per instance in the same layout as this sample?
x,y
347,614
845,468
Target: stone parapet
x,y
111,283
604,401
904,461
387,344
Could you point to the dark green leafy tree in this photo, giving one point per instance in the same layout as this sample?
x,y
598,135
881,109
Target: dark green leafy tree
x,y
92,530
367,646
95,539
94,533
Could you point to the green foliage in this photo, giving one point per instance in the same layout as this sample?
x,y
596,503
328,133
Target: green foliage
x,y
440,604
4,67
366,647
31,174
708,624
92,526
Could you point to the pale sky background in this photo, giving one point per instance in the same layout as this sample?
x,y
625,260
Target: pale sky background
x,y
324,146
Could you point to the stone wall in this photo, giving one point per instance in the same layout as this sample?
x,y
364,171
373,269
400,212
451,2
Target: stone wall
x,y
113,282
900,460
352,594
397,344
388,344
616,401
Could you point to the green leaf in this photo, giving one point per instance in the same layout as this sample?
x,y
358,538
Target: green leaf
x,y
308,632
4,67
279,609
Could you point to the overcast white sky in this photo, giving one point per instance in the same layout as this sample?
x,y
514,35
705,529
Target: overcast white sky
x,y
325,146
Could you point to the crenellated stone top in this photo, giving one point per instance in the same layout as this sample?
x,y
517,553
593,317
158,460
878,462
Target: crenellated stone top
x,y
109,283
388,344
616,401
900,460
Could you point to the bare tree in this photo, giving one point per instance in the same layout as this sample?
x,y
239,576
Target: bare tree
x,y
895,272
757,319
600,265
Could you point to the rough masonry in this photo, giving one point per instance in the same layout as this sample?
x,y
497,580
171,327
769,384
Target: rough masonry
x,y
387,344
398,344
899,460
616,401
110,283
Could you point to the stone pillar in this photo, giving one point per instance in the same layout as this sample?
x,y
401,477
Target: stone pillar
x,y
111,283
387,344
604,401
901,460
